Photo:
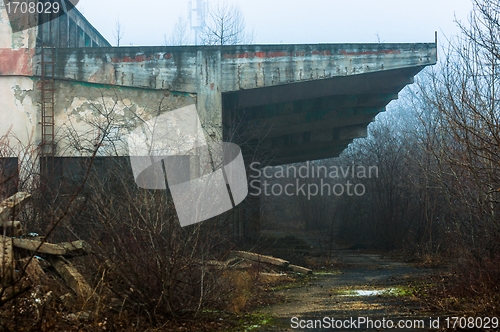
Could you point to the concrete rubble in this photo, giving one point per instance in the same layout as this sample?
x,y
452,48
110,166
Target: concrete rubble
x,y
32,255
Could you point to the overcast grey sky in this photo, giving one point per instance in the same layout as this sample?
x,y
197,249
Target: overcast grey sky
x,y
287,21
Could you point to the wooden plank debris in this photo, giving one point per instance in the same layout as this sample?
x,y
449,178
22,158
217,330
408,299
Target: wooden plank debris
x,y
72,277
33,270
75,248
261,258
12,204
6,259
301,269
11,228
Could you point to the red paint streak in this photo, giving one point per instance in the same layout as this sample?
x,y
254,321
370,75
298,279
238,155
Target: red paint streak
x,y
344,52
316,52
252,55
273,54
277,54
16,62
140,58
239,55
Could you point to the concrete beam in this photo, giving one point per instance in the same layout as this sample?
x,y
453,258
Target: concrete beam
x,y
340,103
382,82
325,154
239,67
312,116
352,132
254,66
311,122
312,147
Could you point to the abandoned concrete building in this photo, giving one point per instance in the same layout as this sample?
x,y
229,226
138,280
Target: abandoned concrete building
x,y
293,102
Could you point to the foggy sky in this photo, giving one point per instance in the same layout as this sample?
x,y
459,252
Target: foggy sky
x,y
289,22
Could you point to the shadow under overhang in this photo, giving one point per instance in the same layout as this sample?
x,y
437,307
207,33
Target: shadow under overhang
x,y
310,120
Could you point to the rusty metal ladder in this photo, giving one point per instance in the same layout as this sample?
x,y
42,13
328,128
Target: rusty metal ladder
x,y
47,145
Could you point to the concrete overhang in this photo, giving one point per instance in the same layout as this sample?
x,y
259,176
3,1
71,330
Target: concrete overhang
x,y
317,118
304,102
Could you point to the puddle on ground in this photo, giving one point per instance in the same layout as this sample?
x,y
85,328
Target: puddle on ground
x,y
365,292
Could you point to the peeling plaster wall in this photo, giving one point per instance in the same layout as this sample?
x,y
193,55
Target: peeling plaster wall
x,y
18,109
187,68
83,112
16,49
18,94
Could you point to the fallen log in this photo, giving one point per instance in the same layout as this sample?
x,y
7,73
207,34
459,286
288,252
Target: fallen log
x,y
9,206
75,248
222,264
72,277
301,269
6,259
261,258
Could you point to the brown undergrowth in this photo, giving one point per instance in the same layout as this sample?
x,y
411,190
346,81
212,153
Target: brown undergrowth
x,y
52,306
470,289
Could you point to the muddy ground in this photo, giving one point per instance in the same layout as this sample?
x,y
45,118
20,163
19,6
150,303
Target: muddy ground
x,y
367,285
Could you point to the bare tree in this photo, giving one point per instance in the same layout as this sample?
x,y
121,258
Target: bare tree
x,y
464,92
118,32
180,34
225,25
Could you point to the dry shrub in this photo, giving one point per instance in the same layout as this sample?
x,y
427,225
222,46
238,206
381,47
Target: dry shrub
x,y
240,285
144,265
470,287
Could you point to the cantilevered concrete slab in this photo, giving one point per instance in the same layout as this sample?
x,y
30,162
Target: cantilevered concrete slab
x,y
304,101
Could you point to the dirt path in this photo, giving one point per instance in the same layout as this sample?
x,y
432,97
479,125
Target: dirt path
x,y
369,286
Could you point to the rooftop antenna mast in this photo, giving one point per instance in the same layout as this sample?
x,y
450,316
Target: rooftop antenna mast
x,y
197,12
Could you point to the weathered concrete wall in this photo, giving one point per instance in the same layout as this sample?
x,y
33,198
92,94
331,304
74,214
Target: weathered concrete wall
x,y
184,69
18,110
232,68
85,113
16,49
18,95
255,66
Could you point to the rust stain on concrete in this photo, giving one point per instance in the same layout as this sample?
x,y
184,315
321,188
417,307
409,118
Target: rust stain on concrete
x,y
16,62
378,52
